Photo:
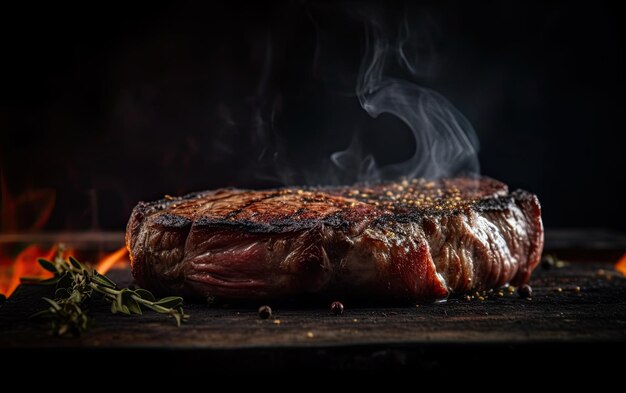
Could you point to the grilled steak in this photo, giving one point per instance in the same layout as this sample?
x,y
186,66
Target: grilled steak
x,y
407,240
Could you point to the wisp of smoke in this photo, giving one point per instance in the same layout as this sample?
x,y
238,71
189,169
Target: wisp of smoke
x,y
446,144
391,62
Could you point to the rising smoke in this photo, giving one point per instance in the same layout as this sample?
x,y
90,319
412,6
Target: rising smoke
x,y
386,82
446,143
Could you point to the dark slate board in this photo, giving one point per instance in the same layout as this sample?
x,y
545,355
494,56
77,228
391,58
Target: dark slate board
x,y
426,336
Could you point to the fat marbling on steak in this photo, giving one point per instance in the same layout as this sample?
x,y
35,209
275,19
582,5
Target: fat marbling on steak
x,y
404,240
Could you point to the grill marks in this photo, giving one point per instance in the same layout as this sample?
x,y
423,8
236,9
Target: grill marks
x,y
258,206
278,207
248,204
196,205
404,201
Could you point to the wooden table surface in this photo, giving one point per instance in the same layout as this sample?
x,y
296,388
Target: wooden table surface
x,y
580,305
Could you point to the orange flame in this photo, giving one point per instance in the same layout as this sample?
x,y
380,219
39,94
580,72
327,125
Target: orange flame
x,y
24,265
621,265
105,264
28,211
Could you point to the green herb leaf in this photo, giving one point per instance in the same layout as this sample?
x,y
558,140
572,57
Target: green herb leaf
x,y
144,294
102,280
170,302
132,305
75,263
119,300
49,266
75,297
177,317
104,277
76,284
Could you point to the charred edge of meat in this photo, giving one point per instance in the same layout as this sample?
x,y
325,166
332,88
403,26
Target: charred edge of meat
x,y
172,221
287,225
162,204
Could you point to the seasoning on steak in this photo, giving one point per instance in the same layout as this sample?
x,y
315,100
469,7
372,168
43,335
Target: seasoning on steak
x,y
407,240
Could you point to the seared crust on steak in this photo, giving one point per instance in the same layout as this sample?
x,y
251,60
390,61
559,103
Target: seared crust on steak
x,y
413,239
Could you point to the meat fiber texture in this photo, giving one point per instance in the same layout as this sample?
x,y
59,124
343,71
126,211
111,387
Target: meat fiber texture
x,y
409,240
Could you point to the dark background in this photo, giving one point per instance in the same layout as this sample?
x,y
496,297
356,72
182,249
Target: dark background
x,y
109,105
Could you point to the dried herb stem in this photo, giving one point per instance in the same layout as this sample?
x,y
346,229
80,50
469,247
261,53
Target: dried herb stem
x,y
76,284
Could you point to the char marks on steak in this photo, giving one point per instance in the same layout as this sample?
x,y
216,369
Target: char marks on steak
x,y
407,240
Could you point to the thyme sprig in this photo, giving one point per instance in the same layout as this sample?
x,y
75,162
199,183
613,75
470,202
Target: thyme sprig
x,y
76,284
